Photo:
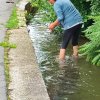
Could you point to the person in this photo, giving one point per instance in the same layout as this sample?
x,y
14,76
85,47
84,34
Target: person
x,y
71,21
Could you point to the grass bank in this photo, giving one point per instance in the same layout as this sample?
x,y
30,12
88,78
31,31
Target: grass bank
x,y
13,20
12,23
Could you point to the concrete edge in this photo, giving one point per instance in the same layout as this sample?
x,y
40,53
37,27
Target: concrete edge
x,y
22,25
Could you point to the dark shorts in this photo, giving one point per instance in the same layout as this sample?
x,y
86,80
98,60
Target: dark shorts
x,y
71,34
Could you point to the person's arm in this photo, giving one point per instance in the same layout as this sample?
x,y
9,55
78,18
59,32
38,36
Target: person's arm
x,y
53,25
59,13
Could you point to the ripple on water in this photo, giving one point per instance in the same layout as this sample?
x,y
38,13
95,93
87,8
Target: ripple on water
x,y
76,80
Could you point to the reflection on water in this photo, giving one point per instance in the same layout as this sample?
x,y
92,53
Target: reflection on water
x,y
73,81
64,83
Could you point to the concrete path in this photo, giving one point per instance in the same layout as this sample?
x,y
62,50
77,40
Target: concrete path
x,y
26,78
5,11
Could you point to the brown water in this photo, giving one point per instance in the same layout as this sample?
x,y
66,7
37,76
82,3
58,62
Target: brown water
x,y
76,80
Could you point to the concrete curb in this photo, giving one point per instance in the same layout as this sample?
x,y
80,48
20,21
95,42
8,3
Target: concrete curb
x,y
26,78
5,11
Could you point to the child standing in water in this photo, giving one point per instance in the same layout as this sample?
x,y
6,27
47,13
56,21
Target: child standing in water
x,y
70,19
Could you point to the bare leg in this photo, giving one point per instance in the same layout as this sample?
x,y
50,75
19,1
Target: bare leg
x,y
62,54
75,51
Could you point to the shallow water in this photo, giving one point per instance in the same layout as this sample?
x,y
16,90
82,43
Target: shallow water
x,y
76,80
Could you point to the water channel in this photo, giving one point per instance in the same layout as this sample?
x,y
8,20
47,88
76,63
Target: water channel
x,y
76,81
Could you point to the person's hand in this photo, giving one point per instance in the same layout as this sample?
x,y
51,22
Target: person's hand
x,y
51,26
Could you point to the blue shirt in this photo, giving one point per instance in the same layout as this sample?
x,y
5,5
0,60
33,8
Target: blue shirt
x,y
67,14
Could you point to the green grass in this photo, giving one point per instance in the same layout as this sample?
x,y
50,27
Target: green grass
x,y
6,63
7,47
12,23
13,20
7,44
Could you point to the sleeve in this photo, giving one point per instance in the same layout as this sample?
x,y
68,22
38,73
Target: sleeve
x,y
58,11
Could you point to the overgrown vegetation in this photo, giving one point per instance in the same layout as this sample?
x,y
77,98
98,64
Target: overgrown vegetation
x,y
11,24
7,44
7,47
13,20
92,48
31,9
